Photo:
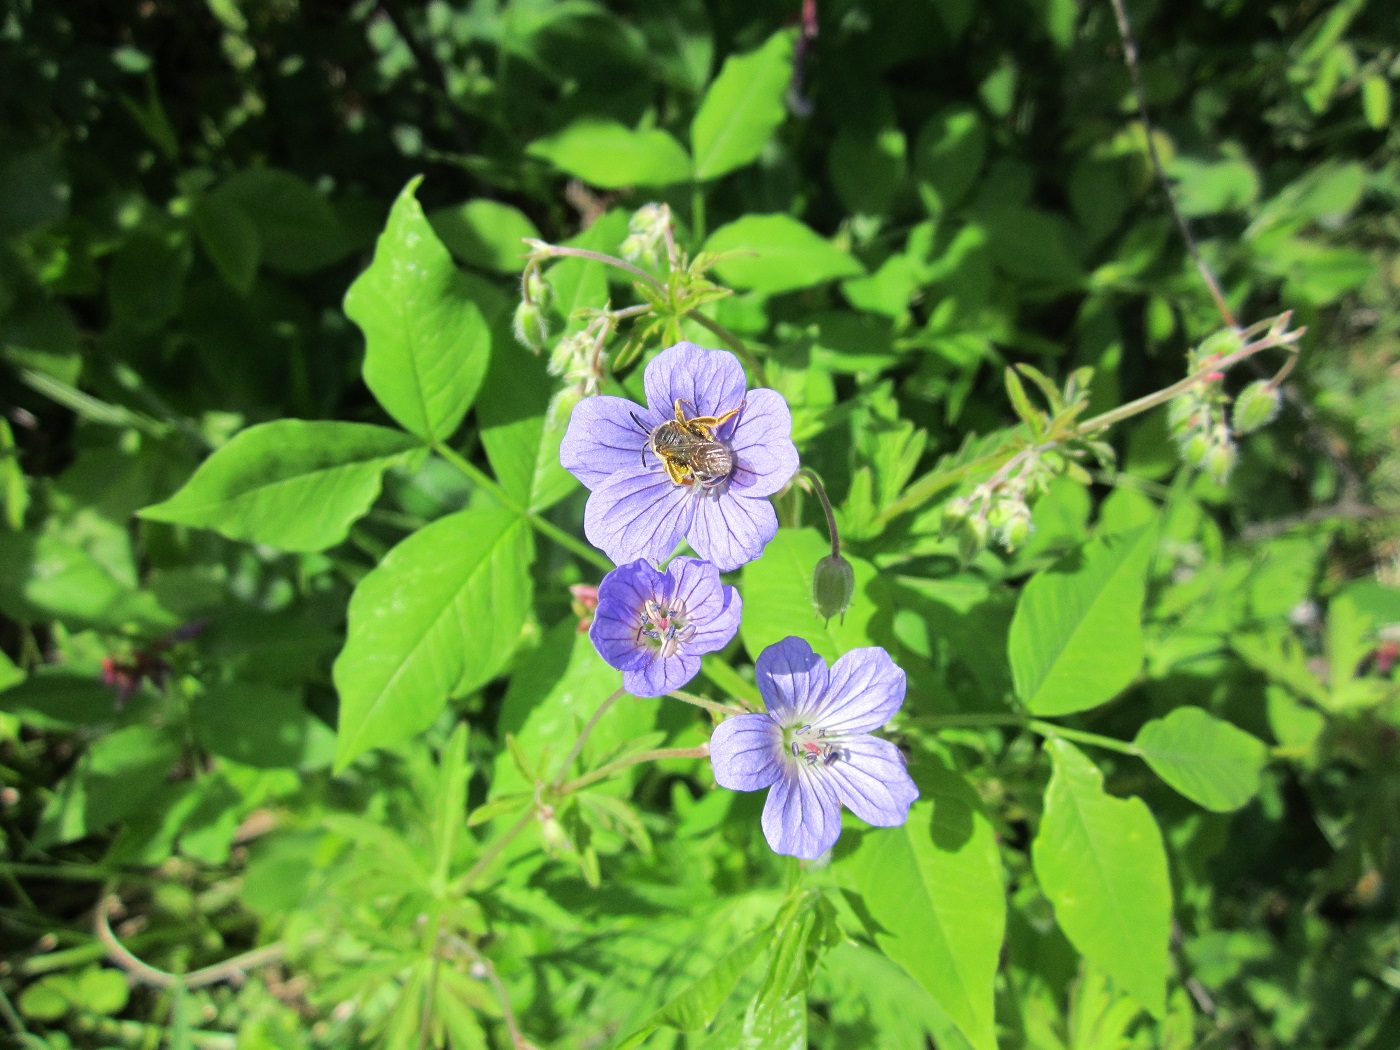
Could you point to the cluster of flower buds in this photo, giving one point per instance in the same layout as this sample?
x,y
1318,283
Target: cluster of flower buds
x,y
530,324
647,231
999,509
1197,418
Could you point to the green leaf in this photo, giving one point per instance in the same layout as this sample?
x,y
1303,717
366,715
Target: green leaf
x,y
1101,862
554,691
1076,639
612,156
518,432
10,675
934,889
261,725
777,593
948,156
426,343
438,617
485,233
290,484
1211,762
1353,617
110,783
696,1007
147,279
298,230
742,108
230,238
57,697
48,577
776,253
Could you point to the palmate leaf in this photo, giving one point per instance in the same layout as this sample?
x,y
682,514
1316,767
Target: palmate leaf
x,y
438,617
426,342
290,484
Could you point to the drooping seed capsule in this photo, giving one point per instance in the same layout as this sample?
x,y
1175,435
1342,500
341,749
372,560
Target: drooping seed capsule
x,y
1256,406
833,585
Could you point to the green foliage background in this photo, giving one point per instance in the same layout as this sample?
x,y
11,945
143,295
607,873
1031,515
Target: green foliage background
x,y
259,386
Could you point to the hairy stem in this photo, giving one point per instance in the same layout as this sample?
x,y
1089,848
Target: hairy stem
x,y
814,484
709,705
655,755
587,732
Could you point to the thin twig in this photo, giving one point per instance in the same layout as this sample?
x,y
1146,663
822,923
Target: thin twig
x,y
229,970
517,1038
709,705
1130,57
656,755
587,732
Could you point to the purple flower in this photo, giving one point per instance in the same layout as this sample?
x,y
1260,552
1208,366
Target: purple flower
x,y
814,748
699,462
653,626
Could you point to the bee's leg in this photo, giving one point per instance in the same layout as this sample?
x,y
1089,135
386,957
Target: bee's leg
x,y
730,414
677,473
680,416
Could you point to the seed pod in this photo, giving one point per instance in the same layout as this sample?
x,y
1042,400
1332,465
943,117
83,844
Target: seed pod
x,y
833,584
530,327
1195,448
1220,460
1256,407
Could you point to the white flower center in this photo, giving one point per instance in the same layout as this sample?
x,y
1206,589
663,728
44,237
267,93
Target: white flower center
x,y
666,625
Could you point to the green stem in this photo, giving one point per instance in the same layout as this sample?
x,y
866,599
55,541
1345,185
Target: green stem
x,y
558,250
588,728
735,343
708,705
541,525
492,852
656,755
1035,725
820,490
697,211
728,680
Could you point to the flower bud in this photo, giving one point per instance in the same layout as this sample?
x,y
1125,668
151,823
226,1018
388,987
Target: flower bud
x,y
530,327
1016,528
1256,406
972,538
955,512
1195,449
833,584
556,840
1221,344
1220,460
569,354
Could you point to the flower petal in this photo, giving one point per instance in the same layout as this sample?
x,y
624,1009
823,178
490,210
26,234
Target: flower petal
x,y
711,381
746,751
603,439
639,515
765,458
802,817
710,605
791,678
621,596
731,530
871,780
866,690
658,674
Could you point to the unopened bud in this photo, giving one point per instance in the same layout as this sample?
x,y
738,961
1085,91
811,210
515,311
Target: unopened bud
x,y
1220,460
972,538
530,327
556,840
570,353
955,512
1195,449
1221,344
1256,406
833,584
1016,529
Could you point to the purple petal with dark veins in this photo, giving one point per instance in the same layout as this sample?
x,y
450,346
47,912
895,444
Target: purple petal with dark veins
x,y
711,606
746,752
791,677
658,675
710,381
765,458
871,780
621,596
634,516
731,530
802,817
866,689
603,439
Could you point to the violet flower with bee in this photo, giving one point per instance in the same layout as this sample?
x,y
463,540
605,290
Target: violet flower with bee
x,y
654,625
813,746
698,462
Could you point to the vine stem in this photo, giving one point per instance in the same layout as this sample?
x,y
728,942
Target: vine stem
x,y
1130,58
655,755
228,970
540,524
